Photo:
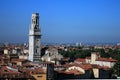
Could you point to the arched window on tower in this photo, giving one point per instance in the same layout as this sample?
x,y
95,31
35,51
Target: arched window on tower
x,y
36,51
36,21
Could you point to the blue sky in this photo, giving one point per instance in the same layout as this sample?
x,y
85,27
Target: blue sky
x,y
61,21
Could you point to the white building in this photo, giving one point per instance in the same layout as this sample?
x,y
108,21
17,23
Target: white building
x,y
34,39
78,44
52,55
97,60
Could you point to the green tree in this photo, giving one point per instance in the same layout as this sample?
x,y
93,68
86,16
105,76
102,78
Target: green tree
x,y
116,69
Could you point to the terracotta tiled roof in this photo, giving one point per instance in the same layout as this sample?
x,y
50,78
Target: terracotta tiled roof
x,y
75,72
2,56
33,70
58,66
17,60
8,70
100,67
66,59
84,66
106,59
67,65
68,72
28,64
80,60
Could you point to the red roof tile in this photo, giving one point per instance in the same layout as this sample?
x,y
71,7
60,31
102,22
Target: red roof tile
x,y
106,59
100,67
28,64
17,60
80,60
84,66
33,70
75,72
7,70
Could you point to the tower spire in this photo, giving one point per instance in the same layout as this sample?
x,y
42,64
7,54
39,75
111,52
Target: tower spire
x,y
34,39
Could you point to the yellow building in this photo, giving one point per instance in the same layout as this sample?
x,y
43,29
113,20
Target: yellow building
x,y
40,76
37,72
6,51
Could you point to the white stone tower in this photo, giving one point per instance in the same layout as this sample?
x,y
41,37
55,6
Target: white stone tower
x,y
34,39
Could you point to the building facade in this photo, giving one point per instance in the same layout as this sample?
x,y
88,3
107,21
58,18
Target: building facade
x,y
52,55
34,39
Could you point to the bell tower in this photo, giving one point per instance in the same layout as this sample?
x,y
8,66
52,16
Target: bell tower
x,y
34,39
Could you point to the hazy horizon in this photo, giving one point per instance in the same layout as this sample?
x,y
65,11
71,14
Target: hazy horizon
x,y
61,21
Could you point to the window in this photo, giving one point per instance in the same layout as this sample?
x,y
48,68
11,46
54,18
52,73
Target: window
x,y
36,21
36,51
